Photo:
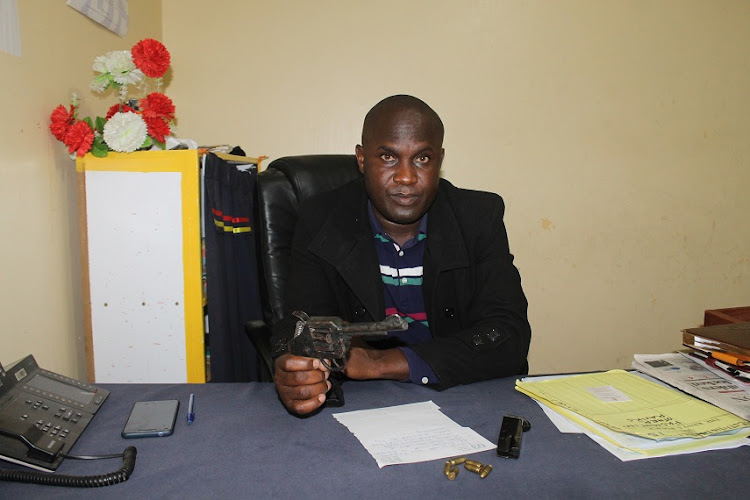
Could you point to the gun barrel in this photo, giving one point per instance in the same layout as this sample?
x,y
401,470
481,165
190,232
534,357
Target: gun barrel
x,y
391,323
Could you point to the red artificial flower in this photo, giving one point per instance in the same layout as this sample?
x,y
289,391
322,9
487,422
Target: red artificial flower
x,y
79,138
60,121
158,129
157,104
116,108
151,57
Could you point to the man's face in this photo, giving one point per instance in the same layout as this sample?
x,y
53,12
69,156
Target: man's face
x,y
400,159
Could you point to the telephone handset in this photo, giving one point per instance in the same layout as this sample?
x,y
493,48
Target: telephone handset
x,y
42,414
40,445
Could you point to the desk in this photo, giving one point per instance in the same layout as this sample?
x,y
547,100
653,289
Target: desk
x,y
244,444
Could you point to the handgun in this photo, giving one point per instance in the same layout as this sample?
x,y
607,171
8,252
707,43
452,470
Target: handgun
x,y
328,338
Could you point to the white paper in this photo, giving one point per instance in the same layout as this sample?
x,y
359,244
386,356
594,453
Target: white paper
x,y
112,14
416,432
10,31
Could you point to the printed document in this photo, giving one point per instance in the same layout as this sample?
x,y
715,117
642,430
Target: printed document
x,y
616,442
624,445
627,403
416,432
682,371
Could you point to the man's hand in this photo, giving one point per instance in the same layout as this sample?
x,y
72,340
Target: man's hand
x,y
367,363
301,382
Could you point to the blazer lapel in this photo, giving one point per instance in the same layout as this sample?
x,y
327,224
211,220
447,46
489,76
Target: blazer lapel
x,y
445,249
346,243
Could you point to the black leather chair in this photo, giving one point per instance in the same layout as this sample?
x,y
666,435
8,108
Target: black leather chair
x,y
281,187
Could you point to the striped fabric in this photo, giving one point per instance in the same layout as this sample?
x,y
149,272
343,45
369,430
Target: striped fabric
x,y
401,273
230,224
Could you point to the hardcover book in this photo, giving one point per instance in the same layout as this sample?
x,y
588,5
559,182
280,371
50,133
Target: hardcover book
x,y
732,338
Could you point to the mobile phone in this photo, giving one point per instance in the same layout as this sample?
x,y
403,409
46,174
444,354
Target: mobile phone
x,y
151,419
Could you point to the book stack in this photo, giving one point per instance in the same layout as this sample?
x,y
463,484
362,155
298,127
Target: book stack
x,y
725,347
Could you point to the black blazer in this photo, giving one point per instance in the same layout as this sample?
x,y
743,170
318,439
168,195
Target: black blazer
x,y
474,302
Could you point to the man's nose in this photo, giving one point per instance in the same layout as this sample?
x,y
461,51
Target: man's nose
x,y
405,173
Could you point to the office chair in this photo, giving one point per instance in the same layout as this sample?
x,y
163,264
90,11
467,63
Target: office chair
x,y
281,187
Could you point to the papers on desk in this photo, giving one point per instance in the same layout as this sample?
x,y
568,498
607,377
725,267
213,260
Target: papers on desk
x,y
635,418
694,377
416,432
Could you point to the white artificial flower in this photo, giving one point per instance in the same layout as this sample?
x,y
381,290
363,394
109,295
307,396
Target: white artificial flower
x,y
125,132
131,77
100,64
119,64
100,83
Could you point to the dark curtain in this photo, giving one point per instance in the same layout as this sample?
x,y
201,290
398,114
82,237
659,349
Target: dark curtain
x,y
233,296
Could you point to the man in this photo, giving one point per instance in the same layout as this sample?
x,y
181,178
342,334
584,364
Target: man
x,y
403,240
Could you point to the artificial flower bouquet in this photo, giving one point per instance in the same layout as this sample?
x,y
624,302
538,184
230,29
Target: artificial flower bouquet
x,y
132,123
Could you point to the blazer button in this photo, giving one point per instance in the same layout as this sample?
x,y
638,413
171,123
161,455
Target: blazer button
x,y
359,311
493,335
449,312
477,339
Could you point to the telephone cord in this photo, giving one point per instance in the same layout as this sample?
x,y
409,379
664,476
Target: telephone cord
x,y
119,476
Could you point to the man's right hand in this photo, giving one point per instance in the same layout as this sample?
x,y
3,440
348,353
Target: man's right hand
x,y
301,382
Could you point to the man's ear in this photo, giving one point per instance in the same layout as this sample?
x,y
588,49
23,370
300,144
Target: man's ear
x,y
360,152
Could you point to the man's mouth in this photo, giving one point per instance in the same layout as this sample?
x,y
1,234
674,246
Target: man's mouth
x,y
405,198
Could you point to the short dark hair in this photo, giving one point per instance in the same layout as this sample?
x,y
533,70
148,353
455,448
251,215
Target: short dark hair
x,y
396,103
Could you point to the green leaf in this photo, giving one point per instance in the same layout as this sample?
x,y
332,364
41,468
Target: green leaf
x,y
100,124
89,123
99,147
147,143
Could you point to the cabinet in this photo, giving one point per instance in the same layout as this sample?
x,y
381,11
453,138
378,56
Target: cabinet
x,y
723,316
139,220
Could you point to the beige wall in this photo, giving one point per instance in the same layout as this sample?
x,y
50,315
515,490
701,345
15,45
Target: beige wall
x,y
40,289
616,131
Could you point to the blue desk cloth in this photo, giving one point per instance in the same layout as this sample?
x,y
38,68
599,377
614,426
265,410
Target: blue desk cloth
x,y
244,444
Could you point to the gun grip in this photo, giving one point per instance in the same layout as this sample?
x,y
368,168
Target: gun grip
x,y
335,396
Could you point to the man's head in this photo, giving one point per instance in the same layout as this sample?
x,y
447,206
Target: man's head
x,y
400,157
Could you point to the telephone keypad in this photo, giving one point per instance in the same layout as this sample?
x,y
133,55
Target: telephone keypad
x,y
40,409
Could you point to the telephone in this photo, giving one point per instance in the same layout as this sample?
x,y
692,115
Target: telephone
x,y
42,414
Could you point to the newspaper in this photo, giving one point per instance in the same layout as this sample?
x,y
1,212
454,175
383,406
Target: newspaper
x,y
690,375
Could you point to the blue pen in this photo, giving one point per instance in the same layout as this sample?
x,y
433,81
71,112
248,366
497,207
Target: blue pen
x,y
191,409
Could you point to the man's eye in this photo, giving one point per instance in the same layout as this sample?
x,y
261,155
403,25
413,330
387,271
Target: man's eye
x,y
423,159
386,157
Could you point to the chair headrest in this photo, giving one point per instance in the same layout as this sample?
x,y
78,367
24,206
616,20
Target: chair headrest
x,y
314,174
281,187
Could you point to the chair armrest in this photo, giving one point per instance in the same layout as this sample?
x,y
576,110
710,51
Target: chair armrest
x,y
259,334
